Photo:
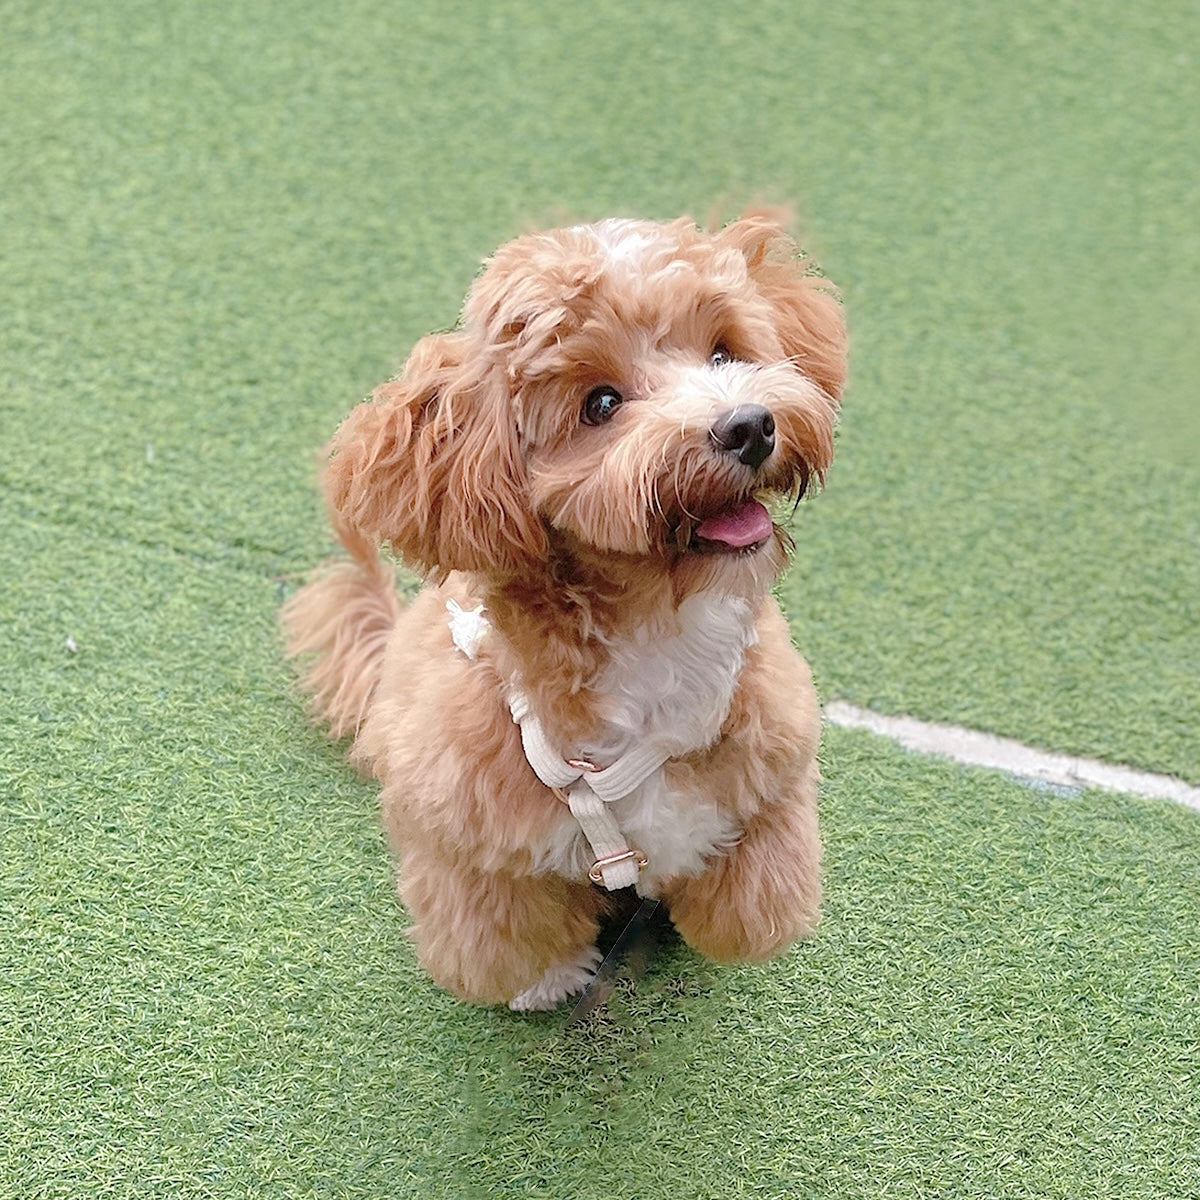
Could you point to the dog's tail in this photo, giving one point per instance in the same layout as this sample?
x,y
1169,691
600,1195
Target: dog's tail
x,y
339,624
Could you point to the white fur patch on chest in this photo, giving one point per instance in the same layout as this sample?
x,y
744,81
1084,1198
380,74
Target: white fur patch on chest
x,y
675,684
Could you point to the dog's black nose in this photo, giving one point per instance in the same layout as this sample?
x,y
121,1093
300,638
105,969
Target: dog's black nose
x,y
747,431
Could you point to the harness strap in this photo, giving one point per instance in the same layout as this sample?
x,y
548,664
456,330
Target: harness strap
x,y
589,792
585,789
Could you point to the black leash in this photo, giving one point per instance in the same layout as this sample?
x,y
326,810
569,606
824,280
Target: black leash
x,y
634,944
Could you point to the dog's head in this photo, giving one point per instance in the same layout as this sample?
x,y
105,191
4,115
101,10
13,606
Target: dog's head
x,y
625,390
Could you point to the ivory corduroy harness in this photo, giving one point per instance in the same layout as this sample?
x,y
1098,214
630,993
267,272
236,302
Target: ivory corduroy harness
x,y
585,788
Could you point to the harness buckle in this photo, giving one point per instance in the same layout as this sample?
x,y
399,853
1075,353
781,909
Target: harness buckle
x,y
595,874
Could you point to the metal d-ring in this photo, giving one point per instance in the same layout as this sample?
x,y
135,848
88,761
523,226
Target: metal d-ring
x,y
596,874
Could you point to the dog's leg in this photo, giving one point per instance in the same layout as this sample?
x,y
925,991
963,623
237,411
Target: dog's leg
x,y
763,895
493,937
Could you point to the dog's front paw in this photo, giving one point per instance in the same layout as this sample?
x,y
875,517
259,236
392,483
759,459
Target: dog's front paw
x,y
560,981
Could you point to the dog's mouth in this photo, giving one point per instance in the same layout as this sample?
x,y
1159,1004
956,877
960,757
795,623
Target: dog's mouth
x,y
741,528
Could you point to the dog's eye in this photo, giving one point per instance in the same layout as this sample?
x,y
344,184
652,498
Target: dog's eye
x,y
601,404
720,355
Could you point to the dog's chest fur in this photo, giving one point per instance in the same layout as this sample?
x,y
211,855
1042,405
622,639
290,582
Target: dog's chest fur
x,y
676,685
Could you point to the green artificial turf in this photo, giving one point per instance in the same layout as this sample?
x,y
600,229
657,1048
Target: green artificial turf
x,y
219,228
210,993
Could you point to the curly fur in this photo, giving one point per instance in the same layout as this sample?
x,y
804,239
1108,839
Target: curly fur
x,y
606,605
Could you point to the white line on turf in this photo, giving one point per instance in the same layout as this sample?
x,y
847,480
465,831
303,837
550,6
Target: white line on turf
x,y
1004,754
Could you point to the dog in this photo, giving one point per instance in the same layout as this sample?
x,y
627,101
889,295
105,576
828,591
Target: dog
x,y
595,689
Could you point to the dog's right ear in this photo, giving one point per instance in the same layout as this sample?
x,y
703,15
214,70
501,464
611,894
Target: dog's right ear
x,y
808,317
430,465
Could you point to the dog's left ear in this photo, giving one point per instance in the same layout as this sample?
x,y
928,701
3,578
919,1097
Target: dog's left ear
x,y
808,316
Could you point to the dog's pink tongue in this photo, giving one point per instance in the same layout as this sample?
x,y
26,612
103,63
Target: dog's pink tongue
x,y
741,527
